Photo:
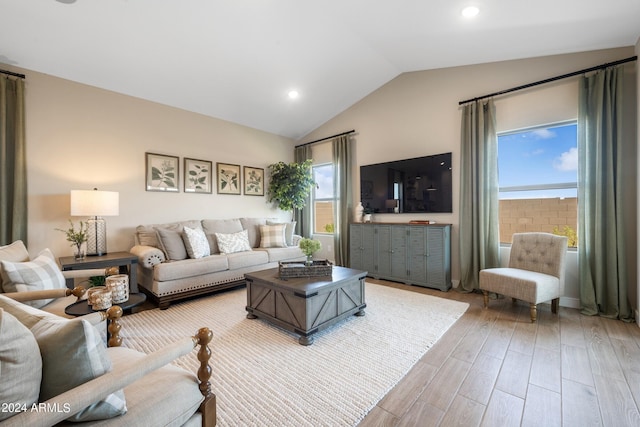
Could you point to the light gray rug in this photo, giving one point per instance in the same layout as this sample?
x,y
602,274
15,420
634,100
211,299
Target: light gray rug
x,y
263,377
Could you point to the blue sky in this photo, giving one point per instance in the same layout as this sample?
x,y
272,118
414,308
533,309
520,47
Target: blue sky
x,y
538,156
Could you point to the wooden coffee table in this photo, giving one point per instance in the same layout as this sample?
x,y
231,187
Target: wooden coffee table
x,y
305,305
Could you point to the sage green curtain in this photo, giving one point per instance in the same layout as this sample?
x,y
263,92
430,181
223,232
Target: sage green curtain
x,y
302,216
602,147
479,225
342,203
13,161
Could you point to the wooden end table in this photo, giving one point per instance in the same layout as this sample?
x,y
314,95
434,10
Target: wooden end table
x,y
80,308
124,260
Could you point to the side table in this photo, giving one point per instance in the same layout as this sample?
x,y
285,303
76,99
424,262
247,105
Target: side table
x,y
80,308
121,259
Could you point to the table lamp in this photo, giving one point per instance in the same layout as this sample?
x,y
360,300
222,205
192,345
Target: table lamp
x,y
95,204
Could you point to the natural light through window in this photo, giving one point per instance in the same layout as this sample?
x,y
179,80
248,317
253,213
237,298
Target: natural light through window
x,y
323,199
538,170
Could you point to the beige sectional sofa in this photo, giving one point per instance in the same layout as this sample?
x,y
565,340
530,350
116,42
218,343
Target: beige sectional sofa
x,y
168,270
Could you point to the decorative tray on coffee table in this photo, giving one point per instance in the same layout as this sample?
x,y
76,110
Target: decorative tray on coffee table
x,y
291,269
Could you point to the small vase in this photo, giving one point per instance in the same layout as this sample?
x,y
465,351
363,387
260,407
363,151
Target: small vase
x,y
79,252
309,261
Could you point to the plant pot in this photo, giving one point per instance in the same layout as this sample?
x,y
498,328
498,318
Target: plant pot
x,y
367,217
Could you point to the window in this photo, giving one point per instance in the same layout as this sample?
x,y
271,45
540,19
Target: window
x,y
538,174
322,199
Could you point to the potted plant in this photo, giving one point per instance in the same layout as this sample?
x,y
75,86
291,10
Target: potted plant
x,y
76,238
290,184
309,247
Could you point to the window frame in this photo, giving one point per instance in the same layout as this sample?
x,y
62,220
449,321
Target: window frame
x,y
315,199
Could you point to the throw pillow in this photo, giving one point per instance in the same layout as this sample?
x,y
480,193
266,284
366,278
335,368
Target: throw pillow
x,y
40,274
272,236
234,242
82,358
288,232
15,252
171,243
196,243
20,366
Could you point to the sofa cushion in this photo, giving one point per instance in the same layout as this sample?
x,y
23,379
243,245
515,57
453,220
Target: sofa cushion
x,y
288,232
272,236
233,242
290,253
213,226
15,252
171,243
190,268
247,259
147,397
20,365
82,358
196,243
40,274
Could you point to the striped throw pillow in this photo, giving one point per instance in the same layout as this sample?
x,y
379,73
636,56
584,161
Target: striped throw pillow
x,y
40,274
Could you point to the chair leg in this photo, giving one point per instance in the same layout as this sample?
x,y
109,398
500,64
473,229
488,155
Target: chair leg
x,y
554,305
485,295
534,312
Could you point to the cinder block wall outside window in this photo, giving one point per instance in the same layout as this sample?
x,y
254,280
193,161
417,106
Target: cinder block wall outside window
x,y
523,215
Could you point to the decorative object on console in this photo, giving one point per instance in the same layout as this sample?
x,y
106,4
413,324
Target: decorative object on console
x,y
101,299
358,212
228,178
118,285
290,184
367,212
197,176
309,247
253,181
76,238
162,172
95,204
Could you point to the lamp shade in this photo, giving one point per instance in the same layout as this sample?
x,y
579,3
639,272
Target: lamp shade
x,y
95,203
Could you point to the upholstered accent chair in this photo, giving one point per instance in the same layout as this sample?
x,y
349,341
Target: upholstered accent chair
x,y
535,273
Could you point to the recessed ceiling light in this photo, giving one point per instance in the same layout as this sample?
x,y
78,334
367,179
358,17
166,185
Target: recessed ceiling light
x,y
293,94
470,11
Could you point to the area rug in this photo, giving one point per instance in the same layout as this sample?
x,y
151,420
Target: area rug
x,y
263,377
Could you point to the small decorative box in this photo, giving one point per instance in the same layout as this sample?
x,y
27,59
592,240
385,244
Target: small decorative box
x,y
291,269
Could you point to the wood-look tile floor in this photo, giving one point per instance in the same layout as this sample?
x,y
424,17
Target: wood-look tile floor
x,y
494,367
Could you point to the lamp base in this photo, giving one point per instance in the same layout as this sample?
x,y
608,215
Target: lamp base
x,y
96,236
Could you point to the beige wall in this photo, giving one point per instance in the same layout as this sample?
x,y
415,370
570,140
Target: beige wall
x,y
417,114
80,137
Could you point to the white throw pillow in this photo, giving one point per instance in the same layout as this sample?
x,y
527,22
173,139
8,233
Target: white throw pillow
x,y
272,236
196,243
40,274
234,242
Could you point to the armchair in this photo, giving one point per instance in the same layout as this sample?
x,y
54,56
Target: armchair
x,y
152,391
535,273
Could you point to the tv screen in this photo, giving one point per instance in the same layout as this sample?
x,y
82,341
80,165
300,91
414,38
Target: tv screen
x,y
418,185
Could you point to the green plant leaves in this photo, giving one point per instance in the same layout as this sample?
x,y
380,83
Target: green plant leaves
x,y
290,184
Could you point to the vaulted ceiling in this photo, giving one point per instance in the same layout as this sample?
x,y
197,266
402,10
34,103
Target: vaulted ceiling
x,y
237,60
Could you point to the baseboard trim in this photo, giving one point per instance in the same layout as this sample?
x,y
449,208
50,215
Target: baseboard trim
x,y
569,302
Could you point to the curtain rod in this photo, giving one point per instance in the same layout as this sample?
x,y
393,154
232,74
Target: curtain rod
x,y
324,139
552,79
11,73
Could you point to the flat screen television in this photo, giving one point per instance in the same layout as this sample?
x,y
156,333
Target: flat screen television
x,y
418,185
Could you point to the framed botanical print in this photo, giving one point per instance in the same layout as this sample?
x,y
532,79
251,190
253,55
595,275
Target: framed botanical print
x,y
162,172
253,181
197,176
228,178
